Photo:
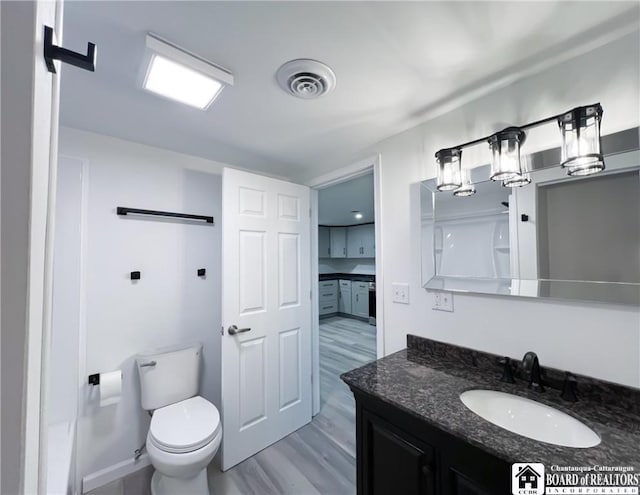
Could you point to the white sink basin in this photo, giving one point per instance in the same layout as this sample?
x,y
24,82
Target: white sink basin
x,y
529,418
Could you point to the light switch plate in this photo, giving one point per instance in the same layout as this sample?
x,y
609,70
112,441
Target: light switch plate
x,y
400,293
443,301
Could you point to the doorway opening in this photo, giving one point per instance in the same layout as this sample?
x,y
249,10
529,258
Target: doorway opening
x,y
347,323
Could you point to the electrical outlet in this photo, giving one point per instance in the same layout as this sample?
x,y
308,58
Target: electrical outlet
x,y
443,301
400,293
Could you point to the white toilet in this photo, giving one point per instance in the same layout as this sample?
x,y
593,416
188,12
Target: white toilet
x,y
185,430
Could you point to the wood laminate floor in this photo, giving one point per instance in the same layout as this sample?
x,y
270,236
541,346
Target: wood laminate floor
x,y
316,459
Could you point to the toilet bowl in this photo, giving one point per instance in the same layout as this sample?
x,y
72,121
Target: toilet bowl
x,y
183,438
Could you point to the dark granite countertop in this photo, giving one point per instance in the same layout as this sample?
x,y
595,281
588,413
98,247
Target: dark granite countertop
x,y
426,380
347,276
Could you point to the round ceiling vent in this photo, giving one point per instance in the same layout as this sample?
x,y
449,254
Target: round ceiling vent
x,y
306,78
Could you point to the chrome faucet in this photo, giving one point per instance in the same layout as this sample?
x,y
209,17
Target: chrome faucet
x,y
531,365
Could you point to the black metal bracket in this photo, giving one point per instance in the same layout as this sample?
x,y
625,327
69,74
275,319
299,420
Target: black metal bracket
x,y
53,52
121,210
135,275
202,272
94,379
524,217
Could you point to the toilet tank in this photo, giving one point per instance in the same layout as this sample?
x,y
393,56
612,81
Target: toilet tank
x,y
168,375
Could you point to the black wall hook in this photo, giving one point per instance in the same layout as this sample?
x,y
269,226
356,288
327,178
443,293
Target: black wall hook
x,y
53,52
135,275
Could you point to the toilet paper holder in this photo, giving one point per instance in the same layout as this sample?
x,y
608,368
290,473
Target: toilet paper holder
x,y
94,379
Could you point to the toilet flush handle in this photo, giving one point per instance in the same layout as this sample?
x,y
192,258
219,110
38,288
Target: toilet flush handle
x,y
150,363
234,330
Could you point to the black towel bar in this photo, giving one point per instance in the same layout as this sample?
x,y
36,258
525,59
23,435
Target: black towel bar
x,y
121,210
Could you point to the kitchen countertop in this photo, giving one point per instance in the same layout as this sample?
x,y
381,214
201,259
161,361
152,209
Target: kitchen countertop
x,y
347,276
426,380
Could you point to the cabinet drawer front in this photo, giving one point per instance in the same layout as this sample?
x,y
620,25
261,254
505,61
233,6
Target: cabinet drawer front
x,y
345,283
328,284
327,308
326,297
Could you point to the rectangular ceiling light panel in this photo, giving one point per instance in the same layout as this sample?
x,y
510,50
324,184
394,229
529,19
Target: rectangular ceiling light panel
x,y
177,74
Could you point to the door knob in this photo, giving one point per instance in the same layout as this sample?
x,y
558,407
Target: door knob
x,y
234,330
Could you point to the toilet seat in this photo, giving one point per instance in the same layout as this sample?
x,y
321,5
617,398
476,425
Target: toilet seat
x,y
185,426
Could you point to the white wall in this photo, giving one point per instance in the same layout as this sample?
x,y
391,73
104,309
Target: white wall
x,y
598,340
65,324
169,305
354,266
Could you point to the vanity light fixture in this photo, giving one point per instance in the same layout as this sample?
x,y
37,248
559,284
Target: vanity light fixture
x,y
505,153
581,146
449,172
581,151
517,180
180,75
467,188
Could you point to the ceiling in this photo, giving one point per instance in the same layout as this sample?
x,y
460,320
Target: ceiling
x,y
394,61
336,204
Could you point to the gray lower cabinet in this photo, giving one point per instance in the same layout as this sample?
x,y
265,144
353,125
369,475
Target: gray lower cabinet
x,y
360,299
344,296
328,297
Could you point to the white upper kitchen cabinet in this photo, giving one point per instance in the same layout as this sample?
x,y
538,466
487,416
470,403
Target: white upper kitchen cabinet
x,y
324,242
361,241
338,242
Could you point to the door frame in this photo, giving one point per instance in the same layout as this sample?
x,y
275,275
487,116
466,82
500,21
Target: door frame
x,y
344,174
32,230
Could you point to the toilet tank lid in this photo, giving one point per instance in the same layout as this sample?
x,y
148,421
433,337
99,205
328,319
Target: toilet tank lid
x,y
169,348
185,426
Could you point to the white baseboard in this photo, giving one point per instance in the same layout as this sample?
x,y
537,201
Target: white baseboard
x,y
113,472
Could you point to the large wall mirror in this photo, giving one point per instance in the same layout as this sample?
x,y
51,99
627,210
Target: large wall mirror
x,y
559,237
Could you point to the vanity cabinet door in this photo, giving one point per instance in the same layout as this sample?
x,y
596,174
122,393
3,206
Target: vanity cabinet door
x,y
394,461
468,471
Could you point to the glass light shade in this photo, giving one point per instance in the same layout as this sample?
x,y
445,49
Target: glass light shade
x,y
581,147
449,173
517,180
467,188
505,153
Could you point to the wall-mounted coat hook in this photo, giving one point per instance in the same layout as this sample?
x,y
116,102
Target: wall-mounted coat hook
x,y
94,379
53,52
202,272
524,218
135,275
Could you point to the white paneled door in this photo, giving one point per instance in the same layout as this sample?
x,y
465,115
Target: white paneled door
x,y
266,312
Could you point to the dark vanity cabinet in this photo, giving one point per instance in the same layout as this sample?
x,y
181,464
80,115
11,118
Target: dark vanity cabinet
x,y
397,453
